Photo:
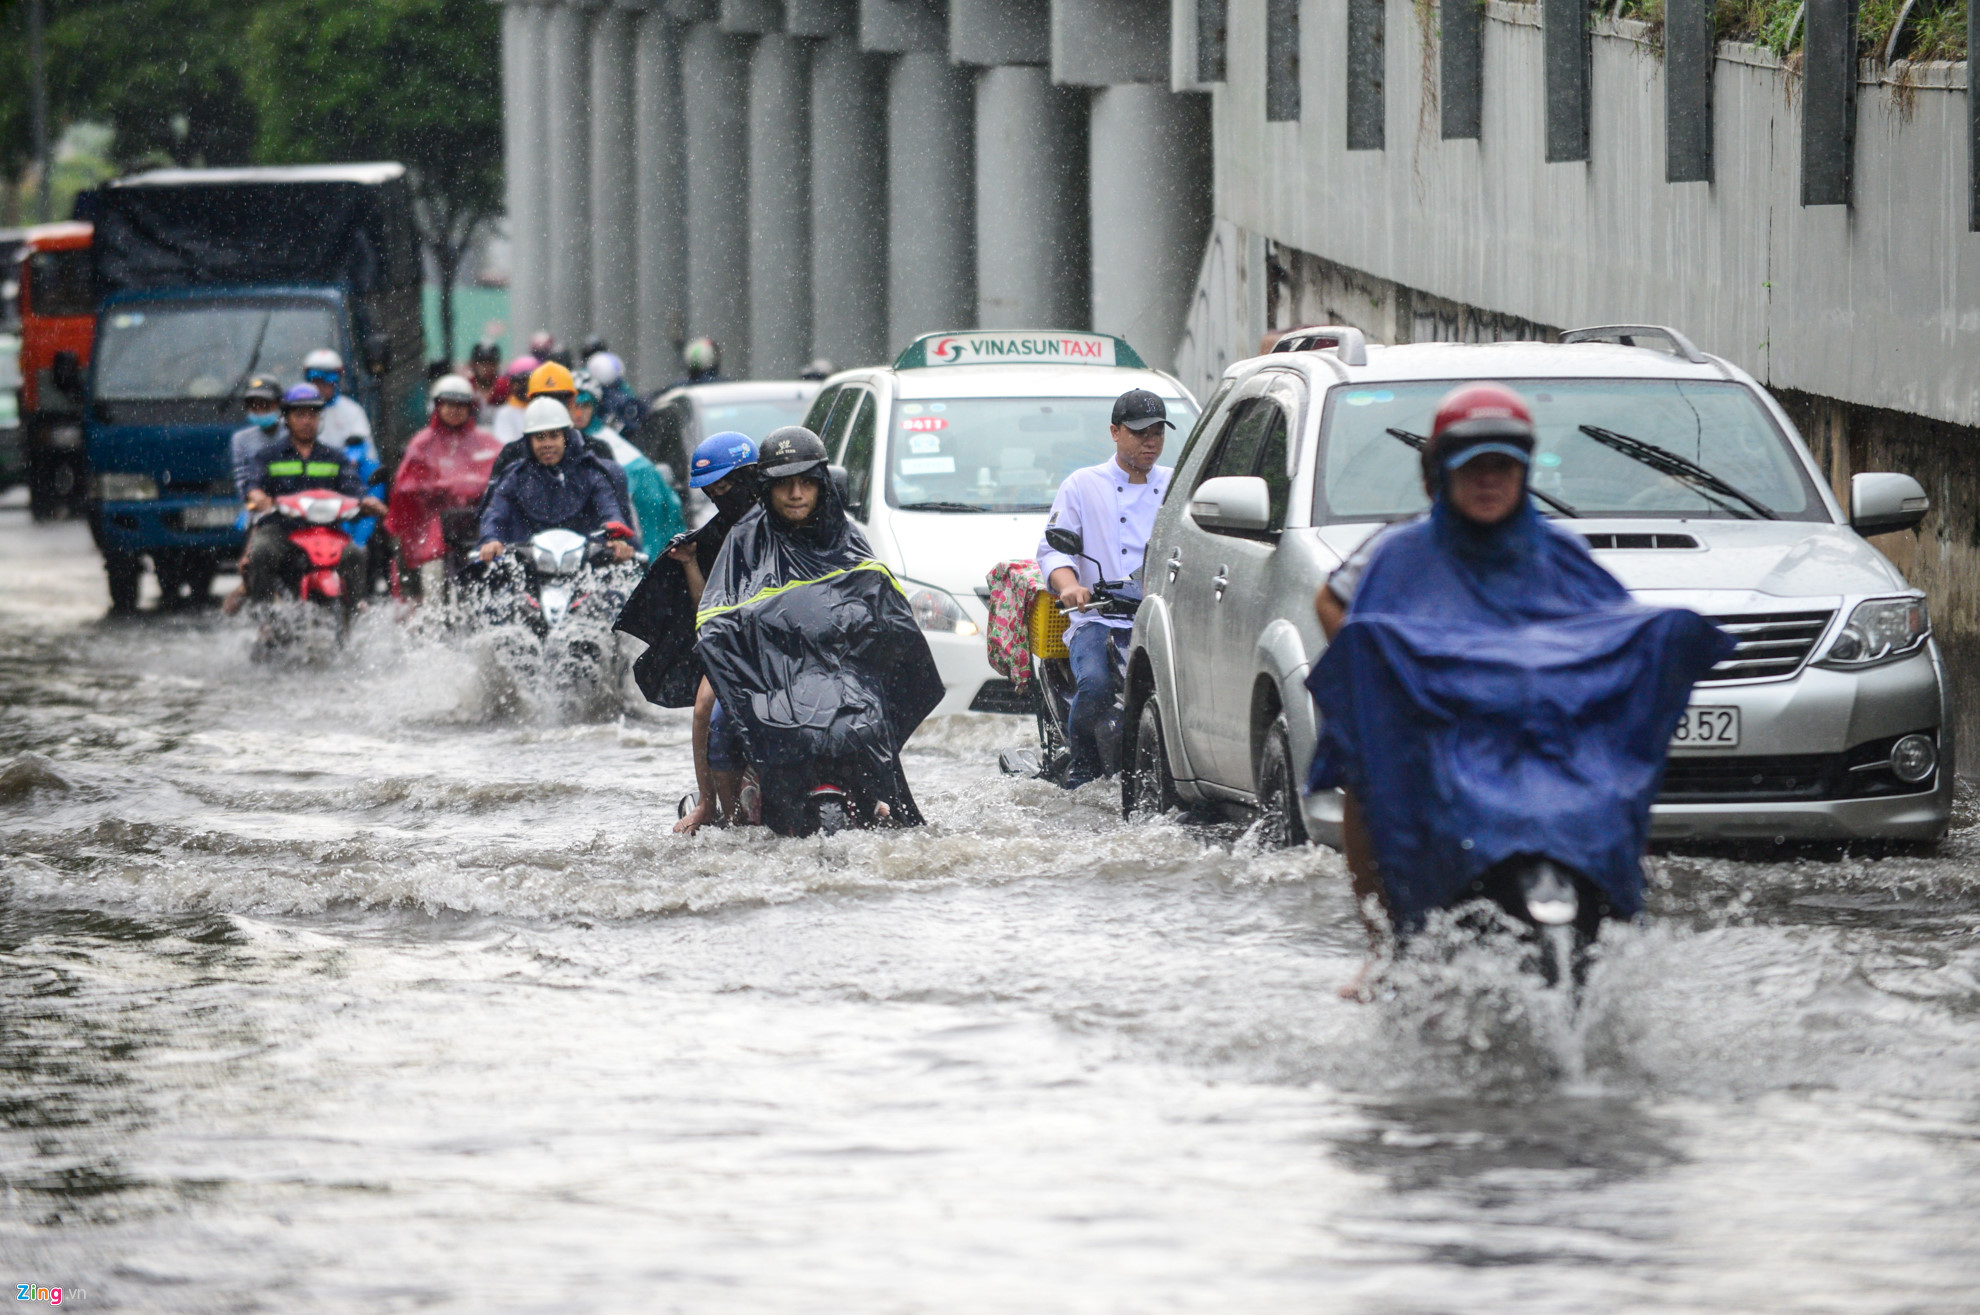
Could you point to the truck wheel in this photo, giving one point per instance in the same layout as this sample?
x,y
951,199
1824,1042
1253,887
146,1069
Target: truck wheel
x,y
124,570
1281,823
1146,783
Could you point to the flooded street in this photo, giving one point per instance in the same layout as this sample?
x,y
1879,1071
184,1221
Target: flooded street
x,y
335,988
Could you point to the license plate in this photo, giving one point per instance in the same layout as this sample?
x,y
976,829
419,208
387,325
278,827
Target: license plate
x,y
210,516
1707,728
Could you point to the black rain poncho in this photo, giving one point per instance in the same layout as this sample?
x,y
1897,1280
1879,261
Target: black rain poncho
x,y
660,612
812,648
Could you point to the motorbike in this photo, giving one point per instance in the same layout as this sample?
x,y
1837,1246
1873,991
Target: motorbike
x,y
802,799
316,521
550,603
1555,912
1052,683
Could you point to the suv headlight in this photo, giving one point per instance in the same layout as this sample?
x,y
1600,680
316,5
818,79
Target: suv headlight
x,y
1878,630
112,487
937,610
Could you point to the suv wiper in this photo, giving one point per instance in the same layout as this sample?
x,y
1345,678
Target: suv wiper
x,y
1417,441
940,506
1677,467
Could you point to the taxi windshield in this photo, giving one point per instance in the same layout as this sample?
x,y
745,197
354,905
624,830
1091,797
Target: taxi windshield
x,y
1711,449
1002,454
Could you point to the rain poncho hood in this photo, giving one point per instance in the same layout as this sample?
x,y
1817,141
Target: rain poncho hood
x,y
1495,692
812,648
445,469
660,612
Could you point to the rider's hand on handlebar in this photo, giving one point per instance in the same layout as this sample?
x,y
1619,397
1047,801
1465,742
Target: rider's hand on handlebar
x,y
258,501
621,551
1075,595
372,505
490,551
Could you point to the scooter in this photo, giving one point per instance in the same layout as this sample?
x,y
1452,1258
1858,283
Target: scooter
x,y
802,799
1557,911
1052,681
315,521
553,601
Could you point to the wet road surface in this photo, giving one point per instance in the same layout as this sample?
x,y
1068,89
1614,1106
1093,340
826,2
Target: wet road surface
x,y
338,987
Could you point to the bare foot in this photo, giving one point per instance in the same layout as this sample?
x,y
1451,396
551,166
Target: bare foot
x,y
234,600
700,813
1361,989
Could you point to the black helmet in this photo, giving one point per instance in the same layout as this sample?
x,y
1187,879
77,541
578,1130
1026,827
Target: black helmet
x,y
266,387
486,350
792,450
592,346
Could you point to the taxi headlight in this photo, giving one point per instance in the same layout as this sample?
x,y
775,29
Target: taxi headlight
x,y
937,610
116,487
1878,630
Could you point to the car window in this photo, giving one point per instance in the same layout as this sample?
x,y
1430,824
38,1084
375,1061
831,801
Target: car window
x,y
1001,453
1254,443
838,420
1368,473
858,459
821,407
1272,466
755,418
1203,424
59,283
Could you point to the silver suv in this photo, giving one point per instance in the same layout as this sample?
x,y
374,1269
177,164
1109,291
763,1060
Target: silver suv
x,y
1830,720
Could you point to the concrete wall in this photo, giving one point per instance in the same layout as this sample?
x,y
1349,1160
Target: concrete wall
x,y
1876,304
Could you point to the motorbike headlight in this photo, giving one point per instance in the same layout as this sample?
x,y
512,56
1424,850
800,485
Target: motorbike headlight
x,y
937,610
114,487
1878,630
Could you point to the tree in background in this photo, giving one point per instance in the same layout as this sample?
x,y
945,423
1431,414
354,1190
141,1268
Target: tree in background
x,y
418,81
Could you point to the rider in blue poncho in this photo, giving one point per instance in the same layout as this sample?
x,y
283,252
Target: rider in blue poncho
x,y
1490,691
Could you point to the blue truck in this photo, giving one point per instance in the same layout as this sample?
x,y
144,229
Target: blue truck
x,y
204,277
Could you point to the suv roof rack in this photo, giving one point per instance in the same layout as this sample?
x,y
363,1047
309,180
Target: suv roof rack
x,y
1625,335
1348,344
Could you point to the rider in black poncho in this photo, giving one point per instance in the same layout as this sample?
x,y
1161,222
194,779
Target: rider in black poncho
x,y
812,647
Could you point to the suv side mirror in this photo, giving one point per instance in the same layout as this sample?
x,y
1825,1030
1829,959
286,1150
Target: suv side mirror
x,y
1884,503
1070,542
378,352
66,371
1235,503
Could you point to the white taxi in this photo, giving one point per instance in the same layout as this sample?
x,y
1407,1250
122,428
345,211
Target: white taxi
x,y
952,455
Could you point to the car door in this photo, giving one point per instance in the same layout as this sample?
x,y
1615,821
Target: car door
x,y
1243,595
1194,564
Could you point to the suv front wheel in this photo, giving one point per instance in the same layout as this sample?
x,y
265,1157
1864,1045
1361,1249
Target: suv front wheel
x,y
1281,824
1146,784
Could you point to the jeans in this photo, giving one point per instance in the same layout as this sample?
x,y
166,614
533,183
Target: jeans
x,y
1096,651
274,565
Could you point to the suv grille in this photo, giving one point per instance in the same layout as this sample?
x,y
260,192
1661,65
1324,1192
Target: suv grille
x,y
1859,773
1771,644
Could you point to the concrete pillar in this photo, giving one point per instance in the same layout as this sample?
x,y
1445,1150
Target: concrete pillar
x,y
714,88
931,197
614,277
1031,230
1149,184
660,191
567,59
524,141
848,204
779,206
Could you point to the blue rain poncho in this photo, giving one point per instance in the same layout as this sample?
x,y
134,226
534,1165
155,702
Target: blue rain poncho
x,y
1495,692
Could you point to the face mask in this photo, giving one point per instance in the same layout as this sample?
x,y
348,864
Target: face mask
x,y
264,419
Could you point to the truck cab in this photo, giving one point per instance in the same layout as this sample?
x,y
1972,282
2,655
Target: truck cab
x,y
205,277
58,325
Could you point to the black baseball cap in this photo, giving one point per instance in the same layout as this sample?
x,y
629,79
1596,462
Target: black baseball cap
x,y
1138,408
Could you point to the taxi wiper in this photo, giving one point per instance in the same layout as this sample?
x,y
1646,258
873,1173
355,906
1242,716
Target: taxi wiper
x,y
1677,467
1417,441
940,506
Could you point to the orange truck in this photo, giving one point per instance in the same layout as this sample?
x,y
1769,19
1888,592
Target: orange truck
x,y
58,328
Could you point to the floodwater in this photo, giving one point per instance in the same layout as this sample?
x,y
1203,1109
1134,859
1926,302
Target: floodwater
x,y
336,988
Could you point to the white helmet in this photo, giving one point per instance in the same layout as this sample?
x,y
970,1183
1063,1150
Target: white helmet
x,y
545,413
606,368
323,359
452,388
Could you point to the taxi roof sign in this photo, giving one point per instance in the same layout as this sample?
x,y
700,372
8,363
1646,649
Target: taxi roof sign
x,y
1018,347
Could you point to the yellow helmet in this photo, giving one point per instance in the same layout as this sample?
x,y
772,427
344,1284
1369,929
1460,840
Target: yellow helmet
x,y
551,377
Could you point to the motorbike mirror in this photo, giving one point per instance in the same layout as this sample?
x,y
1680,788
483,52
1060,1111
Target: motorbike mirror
x,y
1069,542
66,371
378,352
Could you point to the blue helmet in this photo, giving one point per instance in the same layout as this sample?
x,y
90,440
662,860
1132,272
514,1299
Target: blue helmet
x,y
718,456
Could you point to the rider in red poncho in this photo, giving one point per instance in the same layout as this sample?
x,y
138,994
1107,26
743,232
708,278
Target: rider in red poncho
x,y
445,468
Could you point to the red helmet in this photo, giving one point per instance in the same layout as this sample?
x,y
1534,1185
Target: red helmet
x,y
1487,416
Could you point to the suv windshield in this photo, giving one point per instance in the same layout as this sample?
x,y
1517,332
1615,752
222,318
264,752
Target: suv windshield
x,y
755,418
160,351
1368,473
1002,453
